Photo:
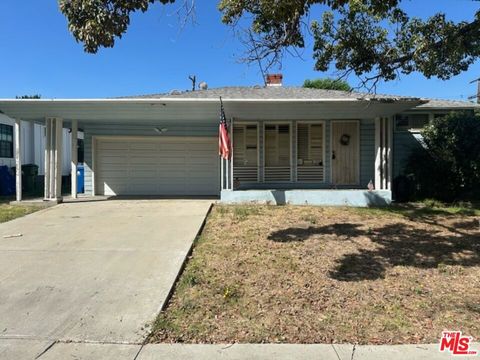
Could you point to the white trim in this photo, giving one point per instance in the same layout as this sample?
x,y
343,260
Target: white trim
x,y
18,159
48,144
324,150
378,155
52,158
74,159
390,154
358,151
272,122
94,164
58,157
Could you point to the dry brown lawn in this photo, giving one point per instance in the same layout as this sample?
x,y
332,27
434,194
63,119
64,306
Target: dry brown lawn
x,y
319,275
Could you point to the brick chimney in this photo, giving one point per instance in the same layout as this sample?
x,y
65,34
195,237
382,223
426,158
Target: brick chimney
x,y
274,79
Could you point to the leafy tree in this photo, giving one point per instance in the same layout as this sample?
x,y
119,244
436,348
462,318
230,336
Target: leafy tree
x,y
450,168
327,84
374,39
36,96
96,23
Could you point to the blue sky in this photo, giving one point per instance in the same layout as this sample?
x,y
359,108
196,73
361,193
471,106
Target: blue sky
x,y
39,55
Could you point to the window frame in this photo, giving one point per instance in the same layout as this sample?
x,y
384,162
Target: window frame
x,y
10,143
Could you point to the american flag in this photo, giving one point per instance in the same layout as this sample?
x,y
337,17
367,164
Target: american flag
x,y
224,145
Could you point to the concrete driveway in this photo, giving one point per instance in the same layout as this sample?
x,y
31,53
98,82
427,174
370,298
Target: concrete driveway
x,y
93,271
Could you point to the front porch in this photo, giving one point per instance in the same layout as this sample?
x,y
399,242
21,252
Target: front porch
x,y
324,162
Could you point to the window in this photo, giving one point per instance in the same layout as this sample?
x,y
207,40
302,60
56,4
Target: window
x,y
310,152
6,141
80,151
277,152
245,153
411,122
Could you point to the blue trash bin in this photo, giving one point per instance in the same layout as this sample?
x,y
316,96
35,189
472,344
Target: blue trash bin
x,y
80,179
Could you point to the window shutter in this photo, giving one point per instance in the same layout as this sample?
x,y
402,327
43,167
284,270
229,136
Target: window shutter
x,y
277,153
310,144
245,153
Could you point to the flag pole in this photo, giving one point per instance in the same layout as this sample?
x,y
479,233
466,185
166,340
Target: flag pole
x,y
226,161
231,153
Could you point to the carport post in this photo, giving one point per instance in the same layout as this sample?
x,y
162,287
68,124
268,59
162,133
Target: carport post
x,y
58,157
52,160
48,144
18,160
74,158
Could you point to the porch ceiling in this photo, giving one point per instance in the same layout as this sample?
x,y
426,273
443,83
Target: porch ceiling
x,y
114,111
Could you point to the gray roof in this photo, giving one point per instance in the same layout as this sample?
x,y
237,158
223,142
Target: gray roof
x,y
299,93
270,93
448,104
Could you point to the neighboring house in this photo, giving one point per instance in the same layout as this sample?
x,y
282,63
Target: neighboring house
x,y
290,145
33,145
409,124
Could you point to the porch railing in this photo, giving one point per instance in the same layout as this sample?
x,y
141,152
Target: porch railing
x,y
310,173
277,173
245,174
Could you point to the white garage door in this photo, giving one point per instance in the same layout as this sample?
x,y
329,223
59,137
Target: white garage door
x,y
157,166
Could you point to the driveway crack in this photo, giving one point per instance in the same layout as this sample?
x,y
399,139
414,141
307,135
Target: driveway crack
x,y
46,349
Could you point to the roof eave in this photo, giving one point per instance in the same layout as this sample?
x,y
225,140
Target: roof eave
x,y
210,100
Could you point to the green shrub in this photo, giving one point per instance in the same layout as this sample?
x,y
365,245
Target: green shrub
x,y
449,169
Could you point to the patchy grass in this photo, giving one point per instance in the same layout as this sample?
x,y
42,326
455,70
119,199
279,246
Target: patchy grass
x,y
319,275
9,212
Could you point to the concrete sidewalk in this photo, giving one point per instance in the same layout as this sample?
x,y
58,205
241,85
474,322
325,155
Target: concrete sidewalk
x,y
34,349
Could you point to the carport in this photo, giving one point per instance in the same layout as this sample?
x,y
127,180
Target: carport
x,y
134,146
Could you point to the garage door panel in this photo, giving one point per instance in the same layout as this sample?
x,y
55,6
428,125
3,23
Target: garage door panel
x,y
158,166
112,145
142,146
112,160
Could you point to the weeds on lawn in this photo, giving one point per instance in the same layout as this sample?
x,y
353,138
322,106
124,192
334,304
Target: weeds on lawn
x,y
10,212
241,213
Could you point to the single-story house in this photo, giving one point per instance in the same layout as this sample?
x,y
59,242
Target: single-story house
x,y
290,144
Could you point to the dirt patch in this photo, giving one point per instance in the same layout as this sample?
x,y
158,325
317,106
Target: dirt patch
x,y
319,275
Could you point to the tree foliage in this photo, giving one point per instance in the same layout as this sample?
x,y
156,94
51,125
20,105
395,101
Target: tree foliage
x,y
374,39
450,168
327,84
96,23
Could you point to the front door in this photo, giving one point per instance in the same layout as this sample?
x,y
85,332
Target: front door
x,y
345,152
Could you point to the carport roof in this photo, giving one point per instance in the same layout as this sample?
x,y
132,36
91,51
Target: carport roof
x,y
269,103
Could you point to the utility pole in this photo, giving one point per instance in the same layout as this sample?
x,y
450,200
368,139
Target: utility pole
x,y
478,91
